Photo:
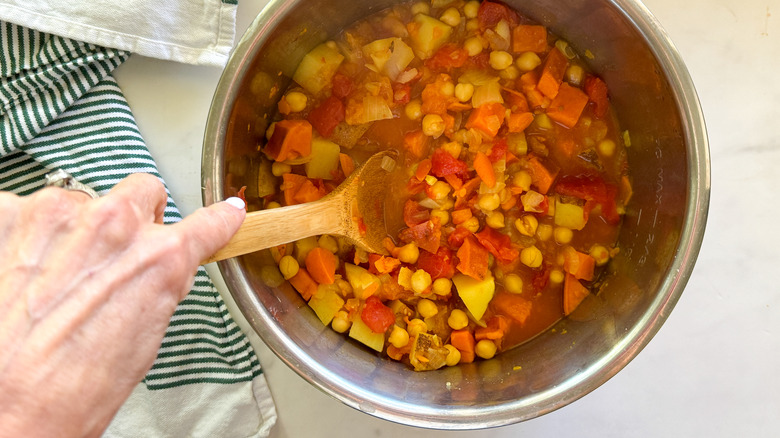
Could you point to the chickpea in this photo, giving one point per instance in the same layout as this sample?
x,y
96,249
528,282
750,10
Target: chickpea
x,y
458,320
472,24
495,220
427,308
409,253
416,326
279,169
606,147
522,179
448,89
413,109
531,257
464,91
272,204
288,266
513,283
421,8
510,73
563,235
500,59
600,254
544,232
470,9
574,74
453,147
444,217
421,281
341,322
528,61
329,243
556,276
453,355
473,46
471,224
440,190
451,16
399,337
433,125
485,349
527,225
442,286
489,201
296,100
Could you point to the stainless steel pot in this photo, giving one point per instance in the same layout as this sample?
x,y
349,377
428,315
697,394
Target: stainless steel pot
x,y
659,242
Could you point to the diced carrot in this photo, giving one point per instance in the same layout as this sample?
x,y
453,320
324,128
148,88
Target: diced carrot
x,y
484,169
567,106
573,294
519,121
290,184
516,100
434,100
487,118
304,284
460,216
426,235
497,326
307,192
512,305
454,181
396,353
291,139
321,265
528,80
463,340
473,258
347,164
423,168
541,176
567,146
529,38
386,265
552,73
416,143
578,264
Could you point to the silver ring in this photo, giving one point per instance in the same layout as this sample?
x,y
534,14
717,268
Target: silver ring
x,y
62,179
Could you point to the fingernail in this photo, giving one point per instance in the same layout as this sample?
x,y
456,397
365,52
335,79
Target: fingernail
x,y
236,202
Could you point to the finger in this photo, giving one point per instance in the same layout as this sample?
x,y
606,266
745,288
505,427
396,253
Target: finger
x,y
146,191
209,229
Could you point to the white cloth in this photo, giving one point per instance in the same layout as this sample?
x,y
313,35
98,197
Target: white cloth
x,y
188,31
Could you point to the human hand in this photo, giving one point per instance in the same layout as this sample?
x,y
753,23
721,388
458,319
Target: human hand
x,y
87,289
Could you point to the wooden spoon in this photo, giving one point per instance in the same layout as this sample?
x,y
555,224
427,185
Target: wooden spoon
x,y
361,195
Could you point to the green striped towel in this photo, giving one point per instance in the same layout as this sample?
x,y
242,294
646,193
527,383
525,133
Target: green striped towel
x,y
61,108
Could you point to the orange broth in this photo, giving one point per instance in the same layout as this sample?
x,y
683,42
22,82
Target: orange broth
x,y
536,240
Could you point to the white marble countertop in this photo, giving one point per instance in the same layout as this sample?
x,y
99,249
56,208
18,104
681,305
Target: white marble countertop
x,y
712,370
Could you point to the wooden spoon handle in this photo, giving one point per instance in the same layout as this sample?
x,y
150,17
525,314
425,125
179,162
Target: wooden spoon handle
x,y
268,228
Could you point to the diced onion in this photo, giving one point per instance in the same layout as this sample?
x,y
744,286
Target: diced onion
x,y
387,164
406,76
487,93
375,108
401,56
477,78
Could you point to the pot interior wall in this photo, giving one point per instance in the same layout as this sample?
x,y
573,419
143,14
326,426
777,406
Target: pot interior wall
x,y
593,340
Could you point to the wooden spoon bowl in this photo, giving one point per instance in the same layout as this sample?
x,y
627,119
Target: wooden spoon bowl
x,y
355,210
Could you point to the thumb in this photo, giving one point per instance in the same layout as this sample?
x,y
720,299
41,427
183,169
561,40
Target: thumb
x,y
210,228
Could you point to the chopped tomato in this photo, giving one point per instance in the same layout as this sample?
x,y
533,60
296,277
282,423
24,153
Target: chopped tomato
x,y
443,164
490,13
448,56
498,151
402,93
595,191
376,315
325,117
498,244
342,85
456,238
439,265
414,213
596,90
426,235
